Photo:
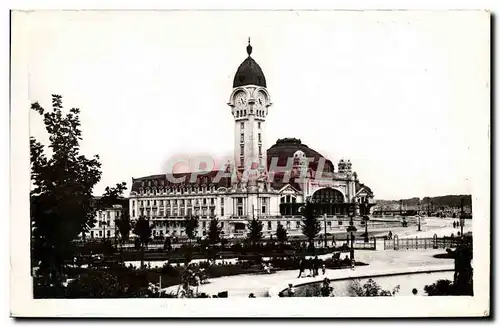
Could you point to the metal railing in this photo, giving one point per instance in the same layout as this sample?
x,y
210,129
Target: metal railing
x,y
420,243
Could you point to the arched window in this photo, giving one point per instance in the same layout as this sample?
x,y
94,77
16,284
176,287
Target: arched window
x,y
328,195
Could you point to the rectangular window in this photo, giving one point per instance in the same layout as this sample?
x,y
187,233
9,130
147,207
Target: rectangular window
x,y
133,212
222,201
242,138
240,211
204,201
260,150
203,224
269,226
258,124
260,137
222,224
242,125
108,233
100,233
263,209
242,150
222,212
212,201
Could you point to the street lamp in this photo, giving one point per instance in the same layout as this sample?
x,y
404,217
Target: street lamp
x,y
366,219
462,218
351,229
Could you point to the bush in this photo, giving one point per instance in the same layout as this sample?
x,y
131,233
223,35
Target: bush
x,y
440,287
370,288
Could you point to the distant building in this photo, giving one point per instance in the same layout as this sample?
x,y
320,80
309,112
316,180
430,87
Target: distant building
x,y
105,220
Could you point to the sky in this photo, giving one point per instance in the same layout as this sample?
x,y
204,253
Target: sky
x,y
400,94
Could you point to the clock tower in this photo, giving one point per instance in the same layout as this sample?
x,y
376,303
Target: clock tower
x,y
249,102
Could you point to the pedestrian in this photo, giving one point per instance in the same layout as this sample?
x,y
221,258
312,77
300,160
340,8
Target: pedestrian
x,y
302,267
310,266
290,290
454,225
323,269
251,295
334,243
315,266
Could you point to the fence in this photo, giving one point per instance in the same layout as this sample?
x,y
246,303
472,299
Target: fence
x,y
420,243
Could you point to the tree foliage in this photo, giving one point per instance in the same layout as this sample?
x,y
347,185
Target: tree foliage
x,y
311,226
440,287
214,231
61,195
281,234
370,288
113,195
191,224
255,231
143,229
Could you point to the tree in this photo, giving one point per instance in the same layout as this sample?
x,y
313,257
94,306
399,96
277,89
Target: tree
x,y
61,195
281,234
213,237
124,226
191,224
311,226
214,231
143,230
113,195
255,231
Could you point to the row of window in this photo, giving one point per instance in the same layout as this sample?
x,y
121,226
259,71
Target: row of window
x,y
92,235
107,214
242,137
243,113
242,150
181,190
176,213
242,125
175,202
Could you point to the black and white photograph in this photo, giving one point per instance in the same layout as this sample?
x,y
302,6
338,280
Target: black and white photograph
x,y
204,163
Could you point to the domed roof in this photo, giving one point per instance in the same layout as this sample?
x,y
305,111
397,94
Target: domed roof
x,y
287,147
249,72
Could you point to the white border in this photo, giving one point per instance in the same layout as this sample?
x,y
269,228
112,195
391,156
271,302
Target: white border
x,y
23,305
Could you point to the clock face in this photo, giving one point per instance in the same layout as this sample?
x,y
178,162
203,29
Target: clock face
x,y
260,100
240,100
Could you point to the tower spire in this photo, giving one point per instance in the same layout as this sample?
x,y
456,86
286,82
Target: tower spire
x,y
249,47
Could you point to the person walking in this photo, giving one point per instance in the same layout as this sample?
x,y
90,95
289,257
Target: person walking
x,y
315,266
301,267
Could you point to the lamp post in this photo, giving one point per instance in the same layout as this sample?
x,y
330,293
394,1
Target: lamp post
x,y
324,223
351,229
462,218
366,219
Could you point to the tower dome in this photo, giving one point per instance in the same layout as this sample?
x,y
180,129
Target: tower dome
x,y
249,72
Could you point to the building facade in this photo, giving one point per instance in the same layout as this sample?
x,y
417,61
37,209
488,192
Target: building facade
x,y
270,184
105,226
